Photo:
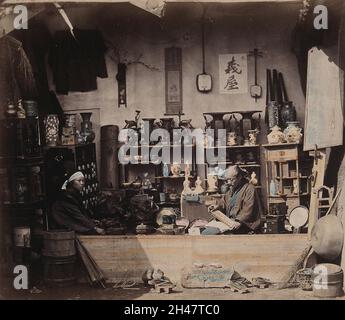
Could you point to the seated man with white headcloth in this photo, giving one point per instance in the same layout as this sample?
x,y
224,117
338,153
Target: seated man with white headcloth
x,y
68,211
240,203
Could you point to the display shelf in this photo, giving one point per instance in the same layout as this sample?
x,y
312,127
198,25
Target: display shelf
x,y
293,178
173,177
234,147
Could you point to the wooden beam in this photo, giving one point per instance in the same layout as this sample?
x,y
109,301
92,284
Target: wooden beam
x,y
319,169
166,1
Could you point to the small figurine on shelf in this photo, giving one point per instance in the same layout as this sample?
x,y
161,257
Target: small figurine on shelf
x,y
20,110
11,110
212,182
198,188
175,169
186,186
165,170
253,179
232,139
187,169
146,184
273,188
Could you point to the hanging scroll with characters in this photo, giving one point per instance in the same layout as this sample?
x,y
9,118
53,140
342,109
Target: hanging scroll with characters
x,y
233,76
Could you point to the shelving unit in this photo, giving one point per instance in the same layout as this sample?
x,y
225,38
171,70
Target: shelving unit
x,y
161,183
245,156
62,161
23,198
288,169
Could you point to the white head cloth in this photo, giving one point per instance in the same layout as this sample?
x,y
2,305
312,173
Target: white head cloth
x,y
74,176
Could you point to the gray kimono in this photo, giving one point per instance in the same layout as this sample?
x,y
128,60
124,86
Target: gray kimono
x,y
242,205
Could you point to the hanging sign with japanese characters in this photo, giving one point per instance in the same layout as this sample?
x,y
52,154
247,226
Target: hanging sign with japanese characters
x,y
233,73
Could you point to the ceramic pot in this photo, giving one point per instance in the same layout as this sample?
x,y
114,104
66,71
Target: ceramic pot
x,y
167,123
31,108
252,137
51,129
86,127
275,136
70,120
293,133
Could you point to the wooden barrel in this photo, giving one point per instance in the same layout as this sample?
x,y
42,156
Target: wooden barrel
x,y
58,243
59,272
328,281
109,156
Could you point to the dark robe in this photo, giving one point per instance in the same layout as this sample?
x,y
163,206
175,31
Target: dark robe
x,y
69,213
242,205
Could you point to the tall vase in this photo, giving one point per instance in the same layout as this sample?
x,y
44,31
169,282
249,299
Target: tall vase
x,y
287,113
86,127
273,114
51,129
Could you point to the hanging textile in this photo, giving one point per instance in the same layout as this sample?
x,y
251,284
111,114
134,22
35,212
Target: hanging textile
x,y
76,63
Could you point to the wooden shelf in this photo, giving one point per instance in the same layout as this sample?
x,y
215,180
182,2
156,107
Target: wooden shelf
x,y
173,177
231,163
234,147
292,178
163,145
289,195
27,205
280,145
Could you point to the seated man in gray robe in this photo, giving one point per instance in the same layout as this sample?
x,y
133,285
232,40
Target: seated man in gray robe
x,y
240,203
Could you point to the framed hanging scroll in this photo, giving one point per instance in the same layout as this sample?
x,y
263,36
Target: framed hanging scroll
x,y
173,80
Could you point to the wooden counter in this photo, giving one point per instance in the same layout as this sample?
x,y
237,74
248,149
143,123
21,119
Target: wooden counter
x,y
251,255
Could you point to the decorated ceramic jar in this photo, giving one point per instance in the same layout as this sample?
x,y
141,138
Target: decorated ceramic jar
x,y
51,129
293,133
275,136
252,137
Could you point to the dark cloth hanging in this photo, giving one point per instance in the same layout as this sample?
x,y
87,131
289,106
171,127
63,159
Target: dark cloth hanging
x,y
76,63
68,213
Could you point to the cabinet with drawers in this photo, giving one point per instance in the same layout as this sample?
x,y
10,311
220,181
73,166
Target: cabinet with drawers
x,y
62,161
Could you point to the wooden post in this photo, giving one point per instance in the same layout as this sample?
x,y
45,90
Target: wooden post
x,y
109,157
319,168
